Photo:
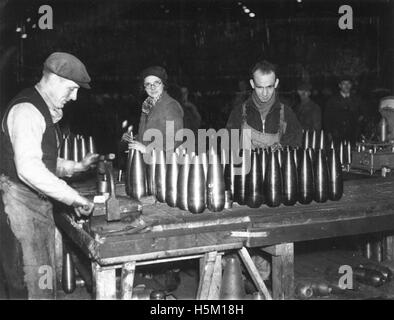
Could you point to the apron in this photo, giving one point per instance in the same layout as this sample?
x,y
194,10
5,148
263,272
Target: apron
x,y
262,139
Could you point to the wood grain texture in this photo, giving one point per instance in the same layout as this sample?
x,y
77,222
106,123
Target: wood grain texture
x,y
209,285
105,283
127,280
283,273
254,273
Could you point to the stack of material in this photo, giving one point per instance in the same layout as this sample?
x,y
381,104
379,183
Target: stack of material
x,y
270,176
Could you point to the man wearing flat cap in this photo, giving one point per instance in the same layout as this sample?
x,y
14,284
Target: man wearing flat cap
x,y
29,177
343,113
307,111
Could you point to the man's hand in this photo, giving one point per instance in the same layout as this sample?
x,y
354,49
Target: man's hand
x,y
276,146
89,160
137,146
83,206
127,137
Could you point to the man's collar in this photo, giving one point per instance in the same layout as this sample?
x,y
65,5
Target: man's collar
x,y
51,106
275,104
44,95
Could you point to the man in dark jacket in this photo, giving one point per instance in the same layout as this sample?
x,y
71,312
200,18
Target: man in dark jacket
x,y
342,114
307,111
270,121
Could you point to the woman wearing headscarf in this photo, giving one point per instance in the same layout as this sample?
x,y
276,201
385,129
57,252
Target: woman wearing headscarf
x,y
159,110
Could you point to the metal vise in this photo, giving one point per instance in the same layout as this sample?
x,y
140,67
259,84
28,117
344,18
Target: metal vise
x,y
112,206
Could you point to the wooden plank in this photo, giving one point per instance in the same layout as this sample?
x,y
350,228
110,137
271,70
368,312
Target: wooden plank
x,y
118,238
142,263
283,273
157,241
275,250
312,231
163,243
214,292
206,275
169,253
210,276
330,210
338,212
105,283
254,273
127,280
201,224
201,265
326,211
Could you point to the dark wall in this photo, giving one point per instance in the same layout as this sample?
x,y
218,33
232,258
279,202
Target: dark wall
x,y
212,44
207,45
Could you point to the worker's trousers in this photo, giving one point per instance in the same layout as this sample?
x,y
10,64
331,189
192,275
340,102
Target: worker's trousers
x,y
27,242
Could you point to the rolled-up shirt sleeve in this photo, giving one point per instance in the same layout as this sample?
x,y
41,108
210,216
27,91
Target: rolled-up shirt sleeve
x,y
26,126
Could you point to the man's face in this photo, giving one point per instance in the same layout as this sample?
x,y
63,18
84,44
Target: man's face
x,y
61,91
345,86
304,94
153,86
185,94
264,85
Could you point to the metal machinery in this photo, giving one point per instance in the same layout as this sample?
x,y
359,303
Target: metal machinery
x,y
373,156
378,155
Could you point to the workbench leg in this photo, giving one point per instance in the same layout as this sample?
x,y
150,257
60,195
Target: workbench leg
x,y
58,256
127,280
283,272
389,248
254,273
210,276
104,282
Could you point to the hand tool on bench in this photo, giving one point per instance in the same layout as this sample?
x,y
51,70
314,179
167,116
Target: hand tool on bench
x,y
116,208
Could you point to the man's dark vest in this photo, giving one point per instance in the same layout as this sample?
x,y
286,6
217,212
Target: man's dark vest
x,y
49,139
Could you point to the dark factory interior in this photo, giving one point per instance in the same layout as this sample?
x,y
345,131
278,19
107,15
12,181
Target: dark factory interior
x,y
331,98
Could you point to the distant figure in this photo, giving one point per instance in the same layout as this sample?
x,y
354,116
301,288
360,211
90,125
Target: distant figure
x,y
191,117
307,111
242,94
342,114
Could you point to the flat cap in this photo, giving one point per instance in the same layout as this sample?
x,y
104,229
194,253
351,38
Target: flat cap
x,y
387,103
345,77
67,66
304,86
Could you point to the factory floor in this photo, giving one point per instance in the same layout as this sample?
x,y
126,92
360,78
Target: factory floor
x,y
315,261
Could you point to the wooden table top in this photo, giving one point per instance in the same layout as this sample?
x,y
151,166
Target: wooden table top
x,y
367,206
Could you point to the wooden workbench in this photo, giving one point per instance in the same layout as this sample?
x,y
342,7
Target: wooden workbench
x,y
367,206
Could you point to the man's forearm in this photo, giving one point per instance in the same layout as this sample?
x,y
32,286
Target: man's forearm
x,y
66,168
